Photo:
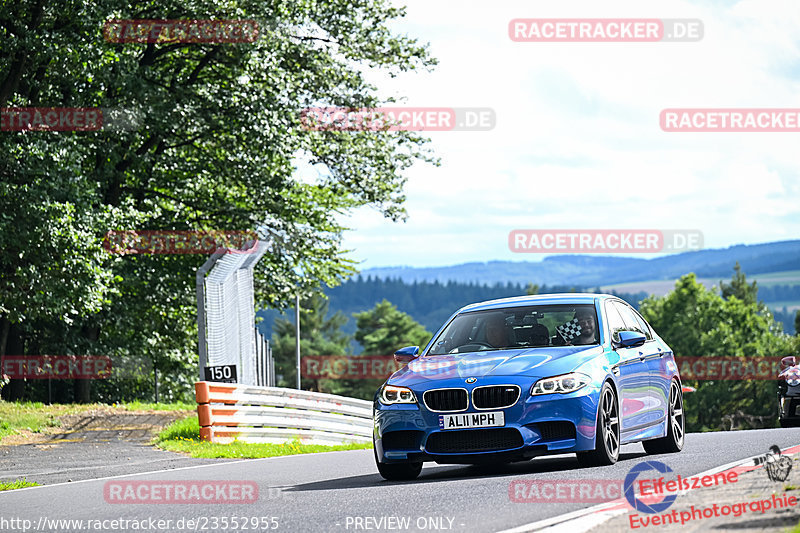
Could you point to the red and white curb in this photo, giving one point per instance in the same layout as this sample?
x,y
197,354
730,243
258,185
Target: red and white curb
x,y
585,519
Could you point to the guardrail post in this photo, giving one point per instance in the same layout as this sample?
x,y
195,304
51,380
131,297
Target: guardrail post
x,y
202,395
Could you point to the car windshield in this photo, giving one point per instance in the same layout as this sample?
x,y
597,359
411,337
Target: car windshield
x,y
518,327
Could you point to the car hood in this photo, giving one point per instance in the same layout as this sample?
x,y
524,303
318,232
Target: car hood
x,y
530,362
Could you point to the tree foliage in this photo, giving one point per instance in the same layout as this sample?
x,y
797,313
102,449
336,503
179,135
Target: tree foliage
x,y
698,322
384,329
213,140
739,287
319,335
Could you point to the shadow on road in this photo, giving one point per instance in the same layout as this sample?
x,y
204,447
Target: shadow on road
x,y
539,465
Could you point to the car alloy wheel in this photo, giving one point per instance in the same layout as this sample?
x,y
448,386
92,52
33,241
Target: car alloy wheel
x,y
610,423
676,425
676,414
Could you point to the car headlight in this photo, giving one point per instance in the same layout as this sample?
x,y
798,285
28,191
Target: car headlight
x,y
391,394
560,384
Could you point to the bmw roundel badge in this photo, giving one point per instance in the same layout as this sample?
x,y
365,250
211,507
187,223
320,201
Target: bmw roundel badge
x,y
471,380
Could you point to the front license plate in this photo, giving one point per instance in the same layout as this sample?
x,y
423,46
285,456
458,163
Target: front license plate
x,y
472,420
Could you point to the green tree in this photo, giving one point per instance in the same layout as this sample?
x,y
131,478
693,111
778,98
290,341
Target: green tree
x,y
797,322
216,143
381,330
532,289
384,329
738,287
319,335
698,322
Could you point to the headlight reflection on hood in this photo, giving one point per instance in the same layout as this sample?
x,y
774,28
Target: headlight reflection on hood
x,y
560,384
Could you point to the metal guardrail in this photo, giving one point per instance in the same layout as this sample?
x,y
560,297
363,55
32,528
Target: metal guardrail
x,y
228,412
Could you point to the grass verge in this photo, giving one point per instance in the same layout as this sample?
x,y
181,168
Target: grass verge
x,y
37,417
143,406
30,416
184,436
17,484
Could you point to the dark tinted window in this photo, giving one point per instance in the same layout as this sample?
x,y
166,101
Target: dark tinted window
x,y
519,327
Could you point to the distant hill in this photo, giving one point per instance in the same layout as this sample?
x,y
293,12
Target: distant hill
x,y
429,303
600,270
431,294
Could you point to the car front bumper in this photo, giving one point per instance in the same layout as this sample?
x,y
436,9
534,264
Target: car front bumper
x,y
534,425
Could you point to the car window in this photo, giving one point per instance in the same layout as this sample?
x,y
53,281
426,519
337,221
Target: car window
x,y
648,332
518,327
628,316
615,322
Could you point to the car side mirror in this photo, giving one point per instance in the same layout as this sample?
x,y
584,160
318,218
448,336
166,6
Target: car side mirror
x,y
630,339
406,355
786,362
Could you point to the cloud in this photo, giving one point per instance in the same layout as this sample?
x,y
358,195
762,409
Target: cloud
x,y
578,143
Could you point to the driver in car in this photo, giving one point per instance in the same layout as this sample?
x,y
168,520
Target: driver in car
x,y
496,334
588,326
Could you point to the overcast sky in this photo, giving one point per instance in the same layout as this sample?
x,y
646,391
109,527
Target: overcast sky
x,y
578,143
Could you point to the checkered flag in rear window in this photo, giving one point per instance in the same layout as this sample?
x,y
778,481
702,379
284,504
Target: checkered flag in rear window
x,y
570,330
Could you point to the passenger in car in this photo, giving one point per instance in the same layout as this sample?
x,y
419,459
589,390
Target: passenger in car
x,y
586,321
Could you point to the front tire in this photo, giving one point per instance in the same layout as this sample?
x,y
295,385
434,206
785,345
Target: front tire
x,y
676,426
398,471
606,447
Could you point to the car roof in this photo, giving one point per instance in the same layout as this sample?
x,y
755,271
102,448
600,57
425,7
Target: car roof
x,y
519,301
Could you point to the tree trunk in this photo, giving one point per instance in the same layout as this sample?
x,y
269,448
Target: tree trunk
x,y
5,324
83,387
15,390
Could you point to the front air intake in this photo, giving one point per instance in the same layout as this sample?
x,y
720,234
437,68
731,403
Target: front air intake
x,y
445,400
495,396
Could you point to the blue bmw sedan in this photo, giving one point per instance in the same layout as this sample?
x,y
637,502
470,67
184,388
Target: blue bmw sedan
x,y
507,380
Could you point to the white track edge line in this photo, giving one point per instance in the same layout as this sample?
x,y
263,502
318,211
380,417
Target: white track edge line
x,y
240,461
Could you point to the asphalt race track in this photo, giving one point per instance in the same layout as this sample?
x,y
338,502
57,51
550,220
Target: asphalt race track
x,y
342,491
